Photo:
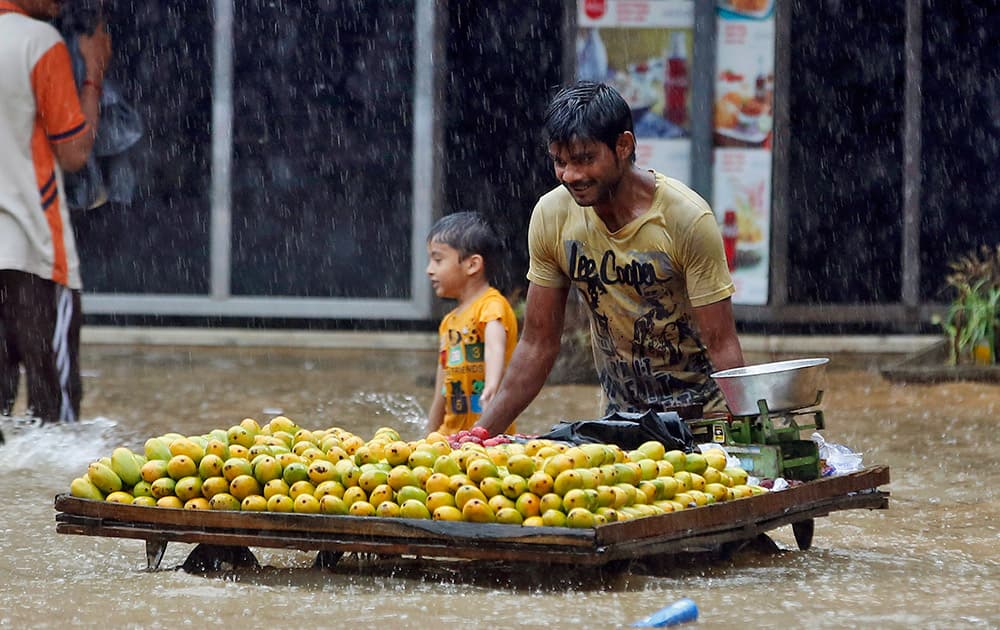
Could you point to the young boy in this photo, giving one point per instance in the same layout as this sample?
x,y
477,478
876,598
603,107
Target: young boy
x,y
478,337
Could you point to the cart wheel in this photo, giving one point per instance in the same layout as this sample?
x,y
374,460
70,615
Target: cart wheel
x,y
803,531
615,567
206,558
327,559
154,553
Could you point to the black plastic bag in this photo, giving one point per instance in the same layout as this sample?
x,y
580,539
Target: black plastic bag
x,y
627,430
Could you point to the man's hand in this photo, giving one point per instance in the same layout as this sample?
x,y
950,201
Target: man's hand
x,y
96,52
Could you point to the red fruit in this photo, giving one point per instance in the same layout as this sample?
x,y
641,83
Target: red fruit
x,y
469,438
493,441
480,432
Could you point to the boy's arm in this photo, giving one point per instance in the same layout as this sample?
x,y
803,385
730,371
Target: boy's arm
x,y
495,355
436,414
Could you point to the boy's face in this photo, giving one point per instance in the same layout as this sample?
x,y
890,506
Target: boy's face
x,y
448,274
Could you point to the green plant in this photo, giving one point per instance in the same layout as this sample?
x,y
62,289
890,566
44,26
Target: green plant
x,y
972,319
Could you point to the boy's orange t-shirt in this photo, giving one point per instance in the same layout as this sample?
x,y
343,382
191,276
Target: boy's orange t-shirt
x,y
462,335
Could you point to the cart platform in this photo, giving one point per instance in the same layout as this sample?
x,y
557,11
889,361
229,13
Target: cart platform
x,y
690,531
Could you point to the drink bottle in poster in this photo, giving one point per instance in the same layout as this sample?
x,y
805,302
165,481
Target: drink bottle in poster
x,y
644,50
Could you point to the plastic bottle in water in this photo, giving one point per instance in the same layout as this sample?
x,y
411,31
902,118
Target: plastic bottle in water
x,y
681,611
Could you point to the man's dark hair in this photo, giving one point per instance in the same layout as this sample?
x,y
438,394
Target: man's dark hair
x,y
469,233
587,111
79,17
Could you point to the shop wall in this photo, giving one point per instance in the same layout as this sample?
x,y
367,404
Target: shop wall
x,y
960,135
321,182
846,162
159,243
321,149
503,63
845,179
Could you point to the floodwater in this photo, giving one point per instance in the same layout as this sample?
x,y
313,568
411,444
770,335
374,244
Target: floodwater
x,y
930,561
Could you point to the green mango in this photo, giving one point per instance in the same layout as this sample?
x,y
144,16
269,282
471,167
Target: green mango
x,y
124,465
104,478
84,488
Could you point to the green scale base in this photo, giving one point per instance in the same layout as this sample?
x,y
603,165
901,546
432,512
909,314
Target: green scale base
x,y
768,445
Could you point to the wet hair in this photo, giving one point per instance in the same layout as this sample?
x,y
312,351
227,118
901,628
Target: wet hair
x,y
587,111
79,17
469,233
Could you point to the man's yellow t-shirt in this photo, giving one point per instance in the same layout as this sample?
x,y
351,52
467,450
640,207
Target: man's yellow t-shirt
x,y
640,284
462,336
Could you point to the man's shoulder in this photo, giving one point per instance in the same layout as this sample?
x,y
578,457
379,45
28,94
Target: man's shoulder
x,y
679,200
557,198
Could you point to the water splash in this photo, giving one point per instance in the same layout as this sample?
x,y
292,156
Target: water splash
x,y
57,447
401,407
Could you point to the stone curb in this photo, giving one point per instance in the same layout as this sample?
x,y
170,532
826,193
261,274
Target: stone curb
x,y
384,340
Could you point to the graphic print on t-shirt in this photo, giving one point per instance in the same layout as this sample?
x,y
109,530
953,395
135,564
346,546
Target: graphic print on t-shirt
x,y
641,291
465,353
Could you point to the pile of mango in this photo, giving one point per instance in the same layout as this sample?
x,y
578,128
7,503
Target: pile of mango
x,y
280,467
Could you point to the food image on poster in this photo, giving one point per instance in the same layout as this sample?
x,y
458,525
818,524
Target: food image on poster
x,y
644,48
744,84
743,116
747,8
648,67
742,200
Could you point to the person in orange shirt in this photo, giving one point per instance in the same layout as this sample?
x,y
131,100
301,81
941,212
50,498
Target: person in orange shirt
x,y
477,338
46,128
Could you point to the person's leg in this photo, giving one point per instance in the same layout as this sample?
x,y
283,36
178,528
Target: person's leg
x,y
74,383
10,360
45,316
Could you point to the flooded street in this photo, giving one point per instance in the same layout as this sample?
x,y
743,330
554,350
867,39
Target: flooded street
x,y
929,561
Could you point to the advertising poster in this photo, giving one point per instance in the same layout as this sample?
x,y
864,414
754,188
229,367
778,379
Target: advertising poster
x,y
643,49
742,135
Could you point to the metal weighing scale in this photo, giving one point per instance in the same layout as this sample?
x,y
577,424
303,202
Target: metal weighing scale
x,y
768,444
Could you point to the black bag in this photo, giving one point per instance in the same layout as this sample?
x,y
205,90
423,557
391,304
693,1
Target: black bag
x,y
627,430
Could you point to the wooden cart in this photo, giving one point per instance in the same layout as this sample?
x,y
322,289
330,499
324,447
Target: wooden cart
x,y
691,531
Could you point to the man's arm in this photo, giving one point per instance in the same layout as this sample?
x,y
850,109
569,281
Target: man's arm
x,y
533,358
96,51
718,332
